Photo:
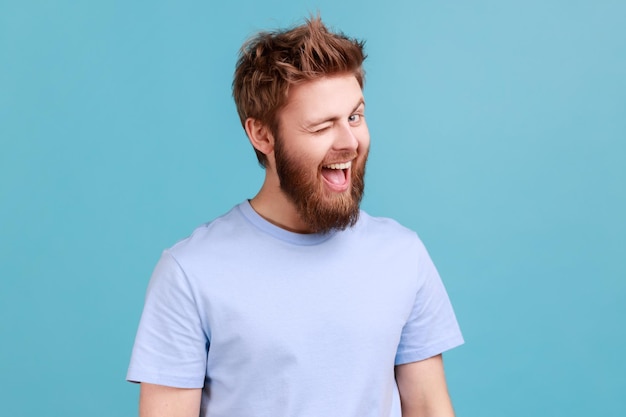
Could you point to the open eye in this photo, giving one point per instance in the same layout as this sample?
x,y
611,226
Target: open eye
x,y
355,118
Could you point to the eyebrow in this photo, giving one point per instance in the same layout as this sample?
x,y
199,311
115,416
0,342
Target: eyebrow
x,y
313,123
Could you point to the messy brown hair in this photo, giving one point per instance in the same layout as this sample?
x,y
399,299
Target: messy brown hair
x,y
270,62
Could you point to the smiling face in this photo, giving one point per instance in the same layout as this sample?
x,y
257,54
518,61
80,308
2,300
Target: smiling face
x,y
321,149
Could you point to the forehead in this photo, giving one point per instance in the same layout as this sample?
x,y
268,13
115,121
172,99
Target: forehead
x,y
329,97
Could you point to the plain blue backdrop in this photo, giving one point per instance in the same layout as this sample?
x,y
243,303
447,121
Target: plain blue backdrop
x,y
498,133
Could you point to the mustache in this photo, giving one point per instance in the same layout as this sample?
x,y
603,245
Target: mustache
x,y
338,157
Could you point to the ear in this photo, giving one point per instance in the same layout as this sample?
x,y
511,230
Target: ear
x,y
260,136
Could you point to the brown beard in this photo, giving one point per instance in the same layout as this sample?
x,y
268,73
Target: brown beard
x,y
321,212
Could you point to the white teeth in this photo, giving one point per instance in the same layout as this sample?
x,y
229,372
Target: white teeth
x,y
344,165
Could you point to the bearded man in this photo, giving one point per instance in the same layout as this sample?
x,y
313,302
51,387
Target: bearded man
x,y
296,303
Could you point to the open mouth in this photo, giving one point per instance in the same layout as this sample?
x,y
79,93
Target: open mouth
x,y
337,175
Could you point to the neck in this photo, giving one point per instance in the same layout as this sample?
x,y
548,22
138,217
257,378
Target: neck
x,y
275,207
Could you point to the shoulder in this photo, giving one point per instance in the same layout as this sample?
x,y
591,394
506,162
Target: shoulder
x,y
384,227
224,230
386,234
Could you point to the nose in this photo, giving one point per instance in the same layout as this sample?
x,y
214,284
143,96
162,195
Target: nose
x,y
346,138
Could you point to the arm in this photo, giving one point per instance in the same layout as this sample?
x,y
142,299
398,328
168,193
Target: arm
x,y
423,389
162,401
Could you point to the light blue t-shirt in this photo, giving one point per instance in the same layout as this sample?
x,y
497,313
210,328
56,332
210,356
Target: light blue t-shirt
x,y
278,324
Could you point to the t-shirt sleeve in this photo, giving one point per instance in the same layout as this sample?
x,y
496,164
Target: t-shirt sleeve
x,y
432,327
171,345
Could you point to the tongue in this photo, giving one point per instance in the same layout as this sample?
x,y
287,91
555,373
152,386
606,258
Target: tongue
x,y
334,176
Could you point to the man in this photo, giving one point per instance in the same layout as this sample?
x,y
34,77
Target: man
x,y
296,303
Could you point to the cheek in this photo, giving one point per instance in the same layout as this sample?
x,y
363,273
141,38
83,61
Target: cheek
x,y
311,157
314,155
364,138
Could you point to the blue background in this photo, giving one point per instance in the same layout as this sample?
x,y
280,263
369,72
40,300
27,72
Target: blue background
x,y
499,134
